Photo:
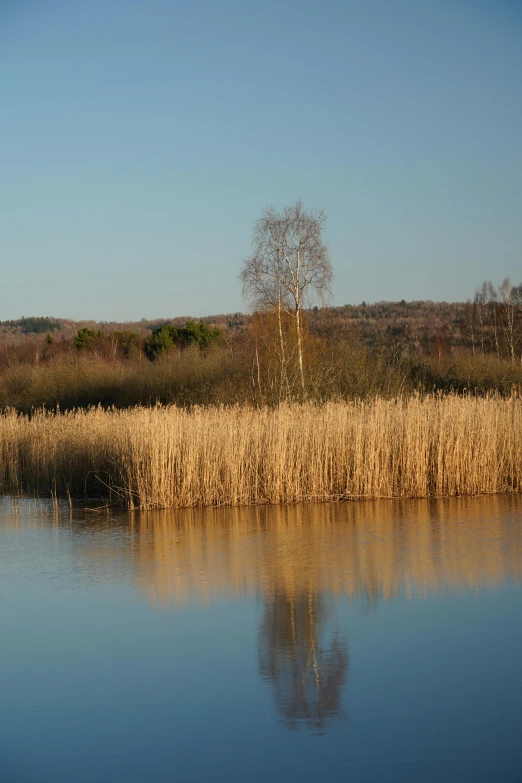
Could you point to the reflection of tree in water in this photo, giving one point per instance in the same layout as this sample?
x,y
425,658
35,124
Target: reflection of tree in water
x,y
306,669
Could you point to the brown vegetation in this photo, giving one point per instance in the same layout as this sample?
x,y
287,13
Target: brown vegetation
x,y
167,457
346,352
244,366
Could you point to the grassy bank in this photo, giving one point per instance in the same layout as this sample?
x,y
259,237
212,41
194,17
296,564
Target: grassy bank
x,y
167,457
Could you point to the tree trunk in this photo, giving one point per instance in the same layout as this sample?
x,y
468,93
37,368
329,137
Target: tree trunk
x,y
258,369
284,378
299,345
495,329
297,295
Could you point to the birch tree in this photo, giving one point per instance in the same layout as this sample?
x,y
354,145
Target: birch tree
x,y
511,316
289,267
262,280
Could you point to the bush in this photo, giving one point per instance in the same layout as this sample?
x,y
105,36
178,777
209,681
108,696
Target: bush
x,y
161,339
85,336
169,336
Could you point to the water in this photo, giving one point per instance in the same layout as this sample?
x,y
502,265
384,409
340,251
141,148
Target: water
x,y
361,642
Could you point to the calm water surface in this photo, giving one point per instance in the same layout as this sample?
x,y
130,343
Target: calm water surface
x,y
358,642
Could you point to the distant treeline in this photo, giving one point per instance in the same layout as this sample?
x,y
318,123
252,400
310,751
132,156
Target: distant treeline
x,y
490,323
385,349
33,325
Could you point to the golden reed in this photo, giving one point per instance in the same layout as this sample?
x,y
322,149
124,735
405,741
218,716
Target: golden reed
x,y
167,457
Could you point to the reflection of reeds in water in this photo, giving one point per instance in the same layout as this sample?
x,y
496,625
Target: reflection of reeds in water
x,y
168,457
374,549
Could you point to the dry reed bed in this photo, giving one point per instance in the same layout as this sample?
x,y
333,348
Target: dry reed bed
x,y
166,457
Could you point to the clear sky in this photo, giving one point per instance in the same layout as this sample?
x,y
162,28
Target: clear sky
x,y
140,141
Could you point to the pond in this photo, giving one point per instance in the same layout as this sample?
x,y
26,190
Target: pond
x,y
377,641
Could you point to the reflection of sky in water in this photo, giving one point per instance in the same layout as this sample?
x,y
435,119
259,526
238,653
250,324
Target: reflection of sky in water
x,y
184,646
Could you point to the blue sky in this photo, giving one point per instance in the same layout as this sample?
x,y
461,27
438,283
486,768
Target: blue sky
x,y
140,141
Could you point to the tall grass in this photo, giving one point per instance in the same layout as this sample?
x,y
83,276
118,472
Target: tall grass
x,y
168,457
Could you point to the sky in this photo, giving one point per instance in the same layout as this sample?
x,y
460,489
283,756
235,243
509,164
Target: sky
x,y
141,140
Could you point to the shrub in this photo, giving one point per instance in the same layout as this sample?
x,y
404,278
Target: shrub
x,y
167,336
85,336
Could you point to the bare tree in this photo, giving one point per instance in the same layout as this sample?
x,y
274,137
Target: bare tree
x,y
289,266
480,304
468,324
499,318
511,312
490,300
262,280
